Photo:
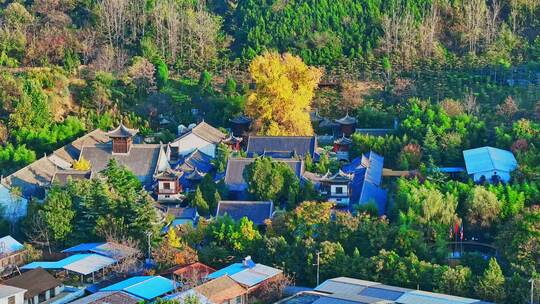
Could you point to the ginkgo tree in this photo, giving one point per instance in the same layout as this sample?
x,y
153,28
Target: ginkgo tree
x,y
281,101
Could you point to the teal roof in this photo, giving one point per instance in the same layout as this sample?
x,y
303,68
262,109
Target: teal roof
x,y
145,287
79,263
489,159
58,264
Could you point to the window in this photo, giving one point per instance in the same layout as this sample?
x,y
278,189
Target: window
x,y
339,190
239,300
167,186
11,300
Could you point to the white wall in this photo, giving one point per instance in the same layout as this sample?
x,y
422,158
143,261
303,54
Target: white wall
x,y
191,142
19,299
13,209
504,176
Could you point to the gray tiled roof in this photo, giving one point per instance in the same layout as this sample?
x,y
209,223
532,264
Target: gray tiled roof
x,y
122,131
234,175
32,178
299,145
63,176
255,211
141,159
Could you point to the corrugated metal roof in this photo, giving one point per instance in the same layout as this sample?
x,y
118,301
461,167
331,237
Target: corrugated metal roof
x,y
488,159
91,263
229,270
346,288
253,276
145,287
82,247
424,297
80,263
9,245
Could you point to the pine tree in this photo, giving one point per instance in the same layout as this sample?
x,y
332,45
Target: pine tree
x,y
491,284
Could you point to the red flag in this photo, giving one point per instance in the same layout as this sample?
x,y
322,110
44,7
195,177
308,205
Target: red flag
x,y
456,228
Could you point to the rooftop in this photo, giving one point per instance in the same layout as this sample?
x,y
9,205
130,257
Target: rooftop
x,y
108,249
8,291
346,120
32,178
144,287
281,145
80,263
234,175
206,132
255,211
489,159
195,271
221,289
122,131
141,159
63,176
108,297
249,274
9,245
34,281
360,291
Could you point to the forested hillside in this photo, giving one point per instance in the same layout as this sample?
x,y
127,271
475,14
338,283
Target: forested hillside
x,y
442,75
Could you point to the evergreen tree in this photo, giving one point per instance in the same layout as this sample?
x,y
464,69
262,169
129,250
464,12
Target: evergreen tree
x,y
199,202
491,284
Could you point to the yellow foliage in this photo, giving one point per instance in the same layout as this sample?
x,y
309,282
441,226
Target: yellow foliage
x,y
81,164
172,238
281,101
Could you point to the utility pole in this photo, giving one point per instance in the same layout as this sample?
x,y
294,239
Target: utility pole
x,y
318,266
149,235
532,290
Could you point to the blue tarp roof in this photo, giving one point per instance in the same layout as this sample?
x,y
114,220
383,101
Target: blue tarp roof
x,y
82,247
229,270
489,159
366,182
145,287
9,245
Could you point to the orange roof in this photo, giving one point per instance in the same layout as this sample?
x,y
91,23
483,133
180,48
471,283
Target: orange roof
x,y
221,289
195,270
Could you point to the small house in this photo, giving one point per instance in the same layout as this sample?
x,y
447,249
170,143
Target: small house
x,y
40,286
336,188
248,273
11,295
488,164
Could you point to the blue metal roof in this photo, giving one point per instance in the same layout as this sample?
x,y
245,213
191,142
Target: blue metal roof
x,y
229,270
145,287
9,245
58,264
84,247
489,159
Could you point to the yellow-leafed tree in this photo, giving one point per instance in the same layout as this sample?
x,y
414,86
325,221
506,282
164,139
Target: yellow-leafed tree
x,y
82,164
281,101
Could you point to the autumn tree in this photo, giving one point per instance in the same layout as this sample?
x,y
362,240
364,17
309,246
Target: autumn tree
x,y
281,101
82,164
